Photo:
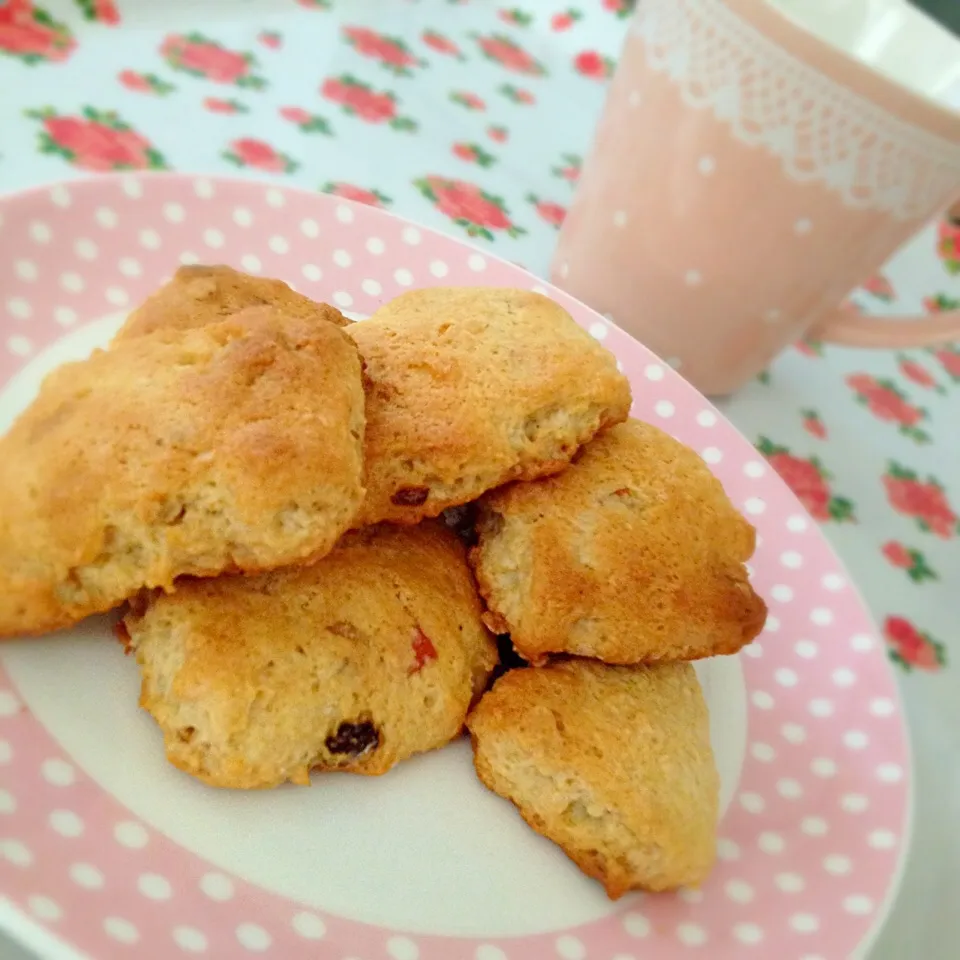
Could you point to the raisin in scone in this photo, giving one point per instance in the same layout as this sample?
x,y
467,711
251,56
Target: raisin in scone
x,y
201,294
371,655
471,387
633,554
237,446
613,764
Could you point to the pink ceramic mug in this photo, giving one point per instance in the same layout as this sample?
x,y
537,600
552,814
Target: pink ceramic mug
x,y
749,170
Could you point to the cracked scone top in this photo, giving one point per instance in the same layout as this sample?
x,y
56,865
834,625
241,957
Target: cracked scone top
x,y
361,660
237,446
469,388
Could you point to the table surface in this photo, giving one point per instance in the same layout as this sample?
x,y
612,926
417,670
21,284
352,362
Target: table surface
x,y
368,98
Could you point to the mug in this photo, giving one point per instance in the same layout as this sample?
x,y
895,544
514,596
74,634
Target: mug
x,y
754,162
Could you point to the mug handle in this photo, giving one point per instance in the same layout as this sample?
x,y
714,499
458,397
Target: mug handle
x,y
846,326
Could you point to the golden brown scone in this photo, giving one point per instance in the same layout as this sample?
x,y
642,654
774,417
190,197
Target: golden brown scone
x,y
237,446
369,656
472,387
201,294
613,764
633,554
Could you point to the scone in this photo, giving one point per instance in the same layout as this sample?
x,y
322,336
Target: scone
x,y
472,387
633,554
237,446
613,764
369,656
201,294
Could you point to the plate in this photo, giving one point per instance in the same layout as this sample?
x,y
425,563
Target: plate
x,y
107,850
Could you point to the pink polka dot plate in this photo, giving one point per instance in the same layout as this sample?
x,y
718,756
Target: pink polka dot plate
x,y
108,852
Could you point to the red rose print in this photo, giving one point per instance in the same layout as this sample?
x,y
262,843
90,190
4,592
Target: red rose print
x,y
594,65
517,94
913,561
271,39
250,152
885,402
103,11
97,140
474,153
809,482
441,44
306,121
910,648
549,211
565,20
813,424
32,35
880,287
479,213
199,56
940,302
917,373
949,357
948,244
924,501
216,105
391,52
569,168
897,554
466,99
515,17
509,54
144,82
498,134
622,8
359,100
316,4
372,198
809,348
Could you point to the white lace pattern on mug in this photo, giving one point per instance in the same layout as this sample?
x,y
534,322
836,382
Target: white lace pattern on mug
x,y
820,130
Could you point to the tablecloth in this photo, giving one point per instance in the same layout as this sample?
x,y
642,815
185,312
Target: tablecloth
x,y
472,117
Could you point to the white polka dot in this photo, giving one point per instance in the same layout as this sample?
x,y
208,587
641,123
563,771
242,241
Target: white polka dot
x,y
770,842
203,188
598,331
706,165
833,582
60,196
823,767
117,296
278,244
675,362
752,802
44,908
132,187
438,268
342,299
793,733
858,905
371,287
693,278
26,270
862,642
476,262
86,249
755,506
149,239
130,267
16,852
690,895
854,802
789,882
189,939
664,408
691,934
821,707
65,316
813,826
797,523
8,803
754,468
6,752
751,570
791,559
375,246
781,593
188,258
253,937
762,752
789,789
411,236
400,948
154,887
9,704
747,933
19,346
344,214
121,930
403,277
242,217
706,418
762,700
173,212
753,650
341,258
739,891
786,677
619,218
130,834
309,926
856,739
890,772
275,197
570,948
806,649
87,876
539,288
58,772
882,707
843,677
712,455
804,923
882,840
106,217
802,227
66,823
487,951
821,616
728,849
217,886
213,237
772,315
837,864
653,371
637,925
251,263
71,281
40,232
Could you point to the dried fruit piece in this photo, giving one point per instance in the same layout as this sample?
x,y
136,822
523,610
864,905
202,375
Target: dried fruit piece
x,y
410,496
354,739
423,651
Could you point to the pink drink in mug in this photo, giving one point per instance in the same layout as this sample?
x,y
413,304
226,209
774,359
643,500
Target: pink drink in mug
x,y
748,172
